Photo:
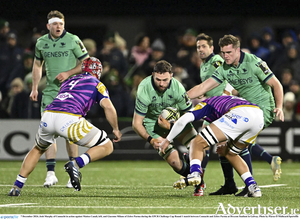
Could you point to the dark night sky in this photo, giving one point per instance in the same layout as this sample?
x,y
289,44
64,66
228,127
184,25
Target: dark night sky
x,y
12,9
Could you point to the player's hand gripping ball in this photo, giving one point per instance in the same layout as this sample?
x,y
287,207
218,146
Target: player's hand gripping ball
x,y
171,114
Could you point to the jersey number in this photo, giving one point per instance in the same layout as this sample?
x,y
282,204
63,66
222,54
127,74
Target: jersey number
x,y
72,84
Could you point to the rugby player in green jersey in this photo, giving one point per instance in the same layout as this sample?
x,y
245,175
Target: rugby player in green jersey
x,y
155,93
254,81
59,51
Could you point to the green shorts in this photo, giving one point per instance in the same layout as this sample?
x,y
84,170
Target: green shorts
x,y
47,98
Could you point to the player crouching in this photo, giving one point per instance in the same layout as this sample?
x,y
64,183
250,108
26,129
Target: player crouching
x,y
232,119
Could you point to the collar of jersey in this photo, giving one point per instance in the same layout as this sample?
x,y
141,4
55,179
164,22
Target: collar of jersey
x,y
209,57
154,86
61,36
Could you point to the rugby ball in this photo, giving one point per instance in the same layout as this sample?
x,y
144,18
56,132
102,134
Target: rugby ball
x,y
170,113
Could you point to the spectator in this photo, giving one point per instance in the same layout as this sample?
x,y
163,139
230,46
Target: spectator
x,y
157,54
22,107
27,63
121,45
36,33
288,107
295,88
180,73
269,42
16,86
141,50
90,46
4,29
193,68
11,63
286,78
290,59
256,48
112,57
187,47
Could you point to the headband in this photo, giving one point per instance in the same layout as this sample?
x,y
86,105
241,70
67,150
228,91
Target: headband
x,y
55,19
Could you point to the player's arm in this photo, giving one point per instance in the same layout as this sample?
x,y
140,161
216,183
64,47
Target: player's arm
x,y
202,88
36,77
112,118
137,126
65,75
176,129
278,95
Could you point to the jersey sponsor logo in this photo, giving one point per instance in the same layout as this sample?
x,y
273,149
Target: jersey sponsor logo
x,y
264,67
102,89
226,123
83,49
43,124
217,64
46,46
56,54
241,81
187,99
64,96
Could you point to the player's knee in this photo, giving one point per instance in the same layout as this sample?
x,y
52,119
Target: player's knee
x,y
109,148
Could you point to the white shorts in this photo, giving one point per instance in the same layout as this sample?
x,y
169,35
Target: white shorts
x,y
69,126
242,123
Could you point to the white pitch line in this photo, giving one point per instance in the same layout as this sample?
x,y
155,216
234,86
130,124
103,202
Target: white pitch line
x,y
267,186
17,205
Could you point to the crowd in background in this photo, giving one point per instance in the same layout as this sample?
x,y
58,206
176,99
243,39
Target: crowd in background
x,y
124,68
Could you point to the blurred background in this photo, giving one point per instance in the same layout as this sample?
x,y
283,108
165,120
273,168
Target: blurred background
x,y
162,30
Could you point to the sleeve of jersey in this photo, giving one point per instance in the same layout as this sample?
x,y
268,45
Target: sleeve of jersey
x,y
141,104
79,49
263,72
185,103
202,110
217,76
37,53
102,92
179,125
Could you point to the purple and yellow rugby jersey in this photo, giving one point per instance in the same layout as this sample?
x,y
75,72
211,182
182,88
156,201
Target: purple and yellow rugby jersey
x,y
78,94
215,107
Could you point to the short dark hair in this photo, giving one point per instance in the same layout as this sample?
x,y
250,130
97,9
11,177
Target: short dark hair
x,y
229,39
208,39
55,13
162,66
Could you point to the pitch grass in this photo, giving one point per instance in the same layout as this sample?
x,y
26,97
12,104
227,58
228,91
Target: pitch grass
x,y
139,187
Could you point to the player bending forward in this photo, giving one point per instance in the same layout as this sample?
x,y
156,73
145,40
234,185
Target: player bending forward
x,y
65,117
232,119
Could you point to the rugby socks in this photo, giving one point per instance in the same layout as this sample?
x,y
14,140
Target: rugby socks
x,y
20,181
185,169
248,179
195,165
227,172
83,160
50,164
205,161
245,155
258,151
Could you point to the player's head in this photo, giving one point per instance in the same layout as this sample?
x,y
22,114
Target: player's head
x,y
204,45
162,75
56,23
230,49
93,66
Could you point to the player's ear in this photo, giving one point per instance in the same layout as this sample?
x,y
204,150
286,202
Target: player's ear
x,y
48,26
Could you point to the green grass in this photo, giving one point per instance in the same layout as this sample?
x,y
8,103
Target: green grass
x,y
139,187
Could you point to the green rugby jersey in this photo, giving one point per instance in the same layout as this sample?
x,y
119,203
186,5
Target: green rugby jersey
x,y
59,55
249,79
150,102
207,68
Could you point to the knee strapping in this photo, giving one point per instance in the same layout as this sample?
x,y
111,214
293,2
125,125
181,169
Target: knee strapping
x,y
233,148
208,135
170,149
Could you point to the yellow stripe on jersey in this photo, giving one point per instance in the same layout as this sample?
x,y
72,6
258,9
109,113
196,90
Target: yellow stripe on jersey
x,y
101,88
200,106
